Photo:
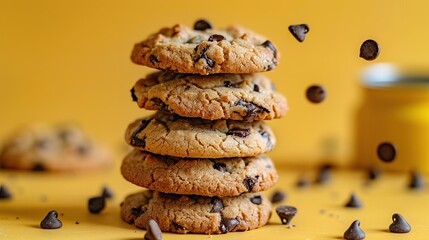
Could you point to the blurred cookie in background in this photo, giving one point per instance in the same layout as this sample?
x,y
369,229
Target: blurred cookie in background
x,y
63,147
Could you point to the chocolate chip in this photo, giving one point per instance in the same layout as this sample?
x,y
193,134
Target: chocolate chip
x,y
77,222
249,183
316,93
177,226
251,109
228,224
417,181
302,182
170,196
373,173
227,84
324,175
38,167
299,31
369,50
216,38
399,225
217,205
256,88
107,192
354,232
135,140
386,152
137,212
204,56
4,192
270,46
133,95
153,59
202,25
286,213
51,221
153,232
96,204
257,200
220,167
354,202
239,132
278,196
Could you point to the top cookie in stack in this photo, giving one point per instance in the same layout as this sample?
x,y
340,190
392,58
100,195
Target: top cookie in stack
x,y
204,50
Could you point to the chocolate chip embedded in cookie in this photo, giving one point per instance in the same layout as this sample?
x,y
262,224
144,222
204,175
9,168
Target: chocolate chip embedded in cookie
x,y
196,214
197,138
205,50
243,97
205,177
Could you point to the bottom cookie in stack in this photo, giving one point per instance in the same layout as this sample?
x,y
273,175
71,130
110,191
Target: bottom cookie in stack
x,y
198,195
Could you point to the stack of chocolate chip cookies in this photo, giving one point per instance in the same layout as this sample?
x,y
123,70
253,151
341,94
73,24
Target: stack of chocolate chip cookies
x,y
201,154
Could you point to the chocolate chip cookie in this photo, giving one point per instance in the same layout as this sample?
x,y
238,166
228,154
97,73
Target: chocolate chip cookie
x,y
196,214
197,138
52,148
205,177
206,51
244,97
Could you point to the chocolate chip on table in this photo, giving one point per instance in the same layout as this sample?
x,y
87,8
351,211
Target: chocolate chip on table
x,y
51,221
278,196
216,38
239,132
220,167
324,175
373,173
153,232
228,224
4,192
268,44
386,152
202,25
354,232
107,192
399,225
299,31
286,213
417,181
249,183
257,200
96,204
316,94
369,50
133,95
217,205
354,202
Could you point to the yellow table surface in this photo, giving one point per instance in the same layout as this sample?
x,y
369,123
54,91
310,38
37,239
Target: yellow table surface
x,y
321,214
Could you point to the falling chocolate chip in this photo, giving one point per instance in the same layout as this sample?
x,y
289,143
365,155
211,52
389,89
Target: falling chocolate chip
x,y
299,31
417,181
4,192
107,192
216,38
270,46
135,140
278,196
386,152
202,25
133,95
51,221
316,94
137,212
178,226
354,202
96,204
228,224
249,183
373,173
38,167
369,50
220,167
324,175
153,60
217,205
153,232
257,200
354,232
286,213
239,132
399,225
256,88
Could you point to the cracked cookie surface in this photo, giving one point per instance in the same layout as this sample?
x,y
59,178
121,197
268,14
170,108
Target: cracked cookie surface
x,y
172,135
185,50
196,214
52,148
205,177
243,97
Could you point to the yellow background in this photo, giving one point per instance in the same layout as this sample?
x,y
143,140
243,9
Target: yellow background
x,y
69,61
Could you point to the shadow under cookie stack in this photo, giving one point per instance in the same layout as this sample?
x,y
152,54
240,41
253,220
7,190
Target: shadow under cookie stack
x,y
200,156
